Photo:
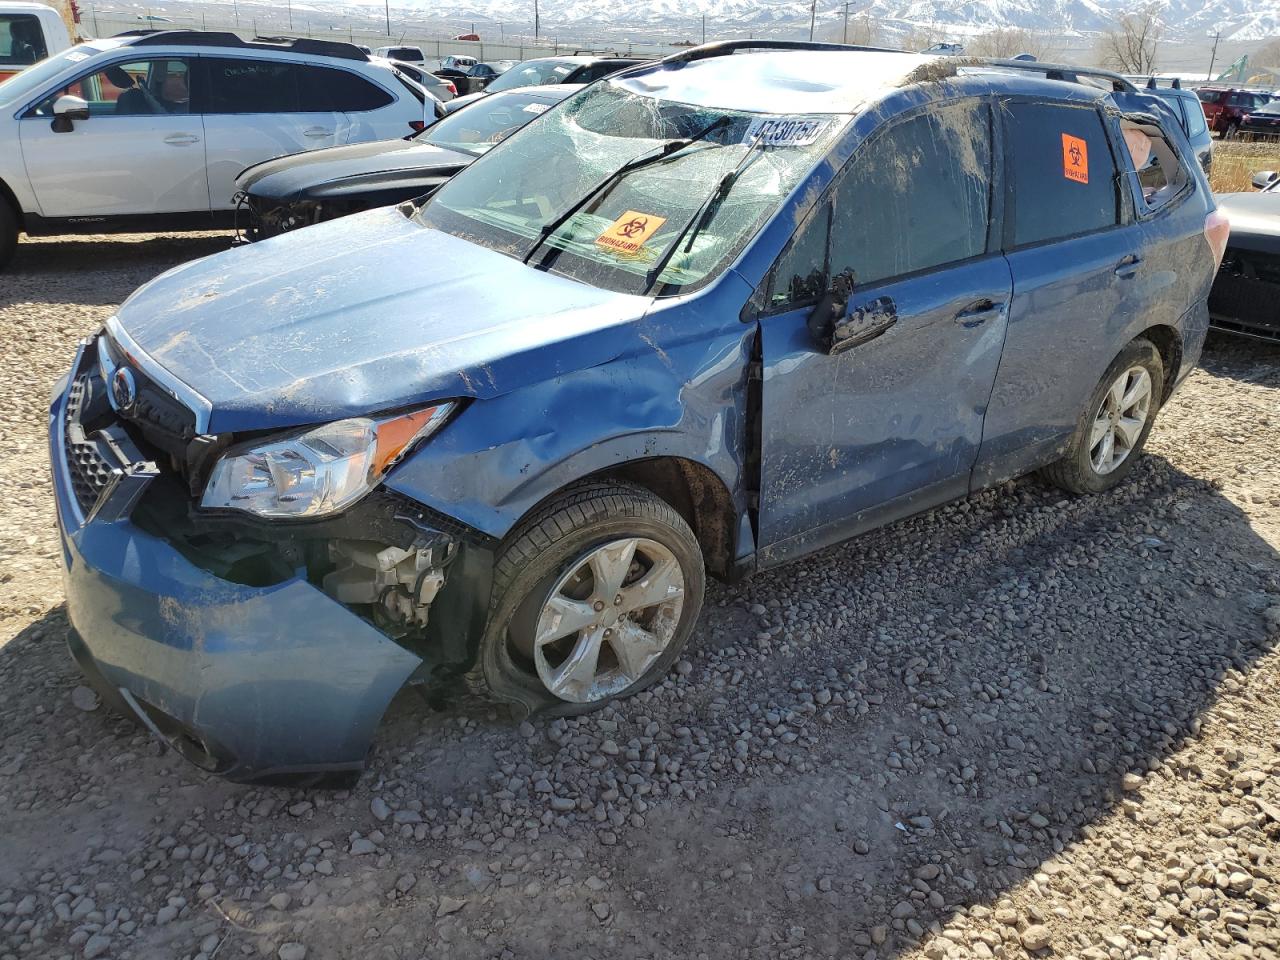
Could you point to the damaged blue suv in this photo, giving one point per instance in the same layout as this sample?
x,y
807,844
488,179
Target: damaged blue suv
x,y
707,315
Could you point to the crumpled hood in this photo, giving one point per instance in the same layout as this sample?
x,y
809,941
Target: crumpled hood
x,y
1255,220
294,177
366,313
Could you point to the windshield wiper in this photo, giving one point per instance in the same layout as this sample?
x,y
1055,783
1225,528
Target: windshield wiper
x,y
708,210
663,152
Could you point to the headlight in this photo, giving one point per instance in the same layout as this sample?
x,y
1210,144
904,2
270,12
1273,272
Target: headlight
x,y
318,472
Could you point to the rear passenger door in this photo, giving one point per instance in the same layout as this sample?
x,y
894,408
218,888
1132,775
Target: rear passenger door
x,y
255,109
1079,270
892,424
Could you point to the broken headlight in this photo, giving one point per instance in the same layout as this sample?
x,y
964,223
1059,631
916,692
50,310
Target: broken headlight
x,y
320,471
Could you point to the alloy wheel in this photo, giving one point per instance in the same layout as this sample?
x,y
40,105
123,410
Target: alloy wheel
x,y
608,619
1120,420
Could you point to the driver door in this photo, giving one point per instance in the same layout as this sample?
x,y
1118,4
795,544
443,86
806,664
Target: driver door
x,y
140,152
889,422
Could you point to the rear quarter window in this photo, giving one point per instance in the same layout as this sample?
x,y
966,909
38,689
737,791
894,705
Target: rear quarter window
x,y
1061,172
324,89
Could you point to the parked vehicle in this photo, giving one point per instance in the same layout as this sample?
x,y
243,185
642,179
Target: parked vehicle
x,y
1262,123
696,320
440,88
29,32
475,77
307,188
547,70
1187,108
149,131
1224,109
1246,293
411,55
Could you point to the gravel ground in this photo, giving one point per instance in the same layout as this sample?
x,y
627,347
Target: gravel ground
x,y
1025,724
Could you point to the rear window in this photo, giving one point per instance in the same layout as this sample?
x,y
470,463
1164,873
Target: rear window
x,y
1063,176
404,53
21,40
250,86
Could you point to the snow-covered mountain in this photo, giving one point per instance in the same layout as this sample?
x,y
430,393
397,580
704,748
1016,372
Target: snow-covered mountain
x,y
1238,20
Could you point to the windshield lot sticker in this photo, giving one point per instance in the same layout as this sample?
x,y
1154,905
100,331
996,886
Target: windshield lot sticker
x,y
784,132
629,232
536,108
1075,159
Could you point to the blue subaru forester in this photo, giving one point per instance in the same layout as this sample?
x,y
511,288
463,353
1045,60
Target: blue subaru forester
x,y
707,315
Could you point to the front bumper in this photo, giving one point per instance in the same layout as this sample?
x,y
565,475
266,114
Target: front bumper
x,y
270,683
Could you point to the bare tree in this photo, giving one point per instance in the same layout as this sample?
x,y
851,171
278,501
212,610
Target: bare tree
x,y
1131,47
1010,42
863,31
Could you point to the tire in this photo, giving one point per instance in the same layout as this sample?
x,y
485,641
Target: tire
x,y
8,233
546,575
1084,468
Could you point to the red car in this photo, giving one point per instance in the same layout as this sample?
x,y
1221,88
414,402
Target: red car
x,y
1225,108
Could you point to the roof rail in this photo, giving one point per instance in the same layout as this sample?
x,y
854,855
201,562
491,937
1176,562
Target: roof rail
x,y
726,48
1063,71
213,38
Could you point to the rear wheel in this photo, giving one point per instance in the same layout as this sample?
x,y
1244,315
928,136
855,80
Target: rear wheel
x,y
593,599
1109,437
8,233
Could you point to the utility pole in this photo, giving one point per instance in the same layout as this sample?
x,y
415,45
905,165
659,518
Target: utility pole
x,y
386,6
289,7
813,14
704,28
1214,55
847,5
535,19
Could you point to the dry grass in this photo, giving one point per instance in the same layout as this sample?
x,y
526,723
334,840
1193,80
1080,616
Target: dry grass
x,y
1235,163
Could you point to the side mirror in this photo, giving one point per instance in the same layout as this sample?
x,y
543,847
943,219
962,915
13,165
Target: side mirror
x,y
67,109
836,328
1264,178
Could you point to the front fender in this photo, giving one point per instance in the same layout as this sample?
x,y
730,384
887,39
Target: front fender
x,y
502,456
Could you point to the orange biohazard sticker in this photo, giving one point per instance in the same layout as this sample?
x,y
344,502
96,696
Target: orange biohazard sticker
x,y
629,232
1075,159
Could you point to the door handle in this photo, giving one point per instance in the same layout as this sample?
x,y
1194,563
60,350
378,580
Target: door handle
x,y
181,139
978,313
1128,266
317,132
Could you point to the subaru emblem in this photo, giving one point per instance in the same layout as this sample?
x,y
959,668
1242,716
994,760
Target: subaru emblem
x,y
124,389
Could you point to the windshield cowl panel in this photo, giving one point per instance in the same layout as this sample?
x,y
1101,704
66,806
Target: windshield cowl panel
x,y
624,236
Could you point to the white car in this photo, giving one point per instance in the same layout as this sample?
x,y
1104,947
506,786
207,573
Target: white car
x,y
29,32
149,131
440,88
412,55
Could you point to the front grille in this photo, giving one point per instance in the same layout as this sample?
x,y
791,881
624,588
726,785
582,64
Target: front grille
x,y
1246,294
89,470
166,421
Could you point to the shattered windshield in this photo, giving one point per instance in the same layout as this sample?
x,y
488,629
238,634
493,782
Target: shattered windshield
x,y
508,200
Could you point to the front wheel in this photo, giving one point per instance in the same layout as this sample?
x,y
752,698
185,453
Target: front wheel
x,y
593,599
1109,438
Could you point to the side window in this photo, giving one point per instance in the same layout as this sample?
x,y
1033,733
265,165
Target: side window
x,y
137,88
1161,174
21,40
1195,119
323,89
799,273
250,86
917,196
594,72
1063,176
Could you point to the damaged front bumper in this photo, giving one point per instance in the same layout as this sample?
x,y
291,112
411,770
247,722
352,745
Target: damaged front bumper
x,y
274,682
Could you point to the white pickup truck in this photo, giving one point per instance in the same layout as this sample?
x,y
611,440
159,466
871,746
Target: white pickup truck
x,y
29,32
